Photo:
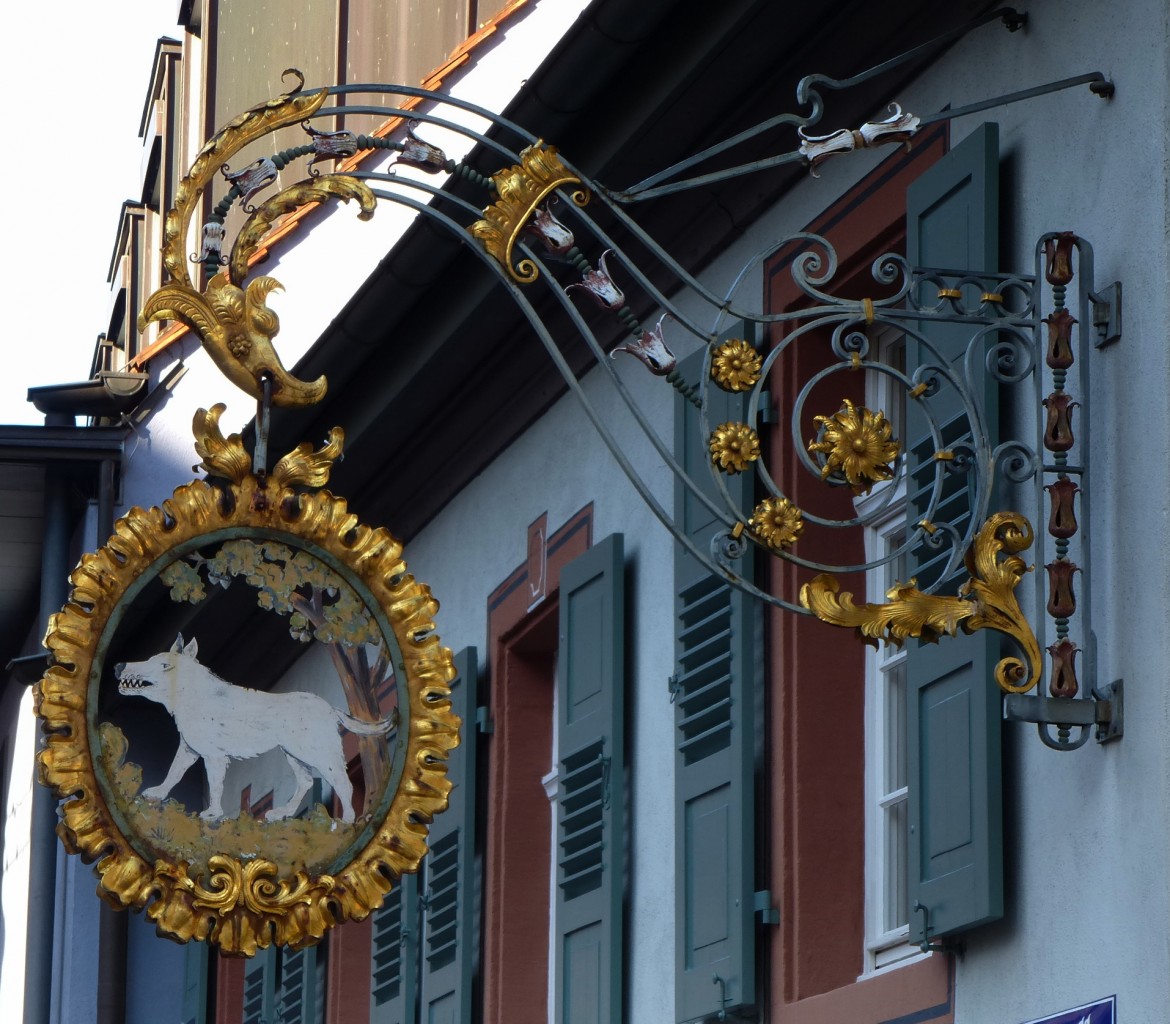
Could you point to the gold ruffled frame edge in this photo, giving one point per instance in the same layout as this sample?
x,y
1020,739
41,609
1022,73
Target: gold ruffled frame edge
x,y
246,905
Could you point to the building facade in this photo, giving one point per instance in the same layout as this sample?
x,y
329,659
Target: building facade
x,y
672,802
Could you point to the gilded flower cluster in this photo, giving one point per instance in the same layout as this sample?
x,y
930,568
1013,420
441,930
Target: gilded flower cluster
x,y
735,365
777,522
858,444
734,447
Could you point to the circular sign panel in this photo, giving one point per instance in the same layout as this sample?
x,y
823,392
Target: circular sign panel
x,y
248,712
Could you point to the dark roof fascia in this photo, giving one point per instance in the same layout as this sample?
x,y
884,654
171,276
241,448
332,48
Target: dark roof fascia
x,y
131,208
37,444
165,50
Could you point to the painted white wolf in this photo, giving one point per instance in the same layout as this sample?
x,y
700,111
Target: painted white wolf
x,y
218,721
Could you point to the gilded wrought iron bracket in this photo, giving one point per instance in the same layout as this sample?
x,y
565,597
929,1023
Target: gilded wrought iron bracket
x,y
1104,714
522,189
987,601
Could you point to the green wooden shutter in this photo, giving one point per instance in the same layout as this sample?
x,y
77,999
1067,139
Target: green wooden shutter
x,y
298,998
591,788
714,692
954,716
260,988
448,950
195,983
394,955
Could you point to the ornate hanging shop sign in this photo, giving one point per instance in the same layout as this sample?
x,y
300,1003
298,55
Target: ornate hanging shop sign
x,y
132,705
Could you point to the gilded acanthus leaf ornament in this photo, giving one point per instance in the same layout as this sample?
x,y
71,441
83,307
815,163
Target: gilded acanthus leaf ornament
x,y
311,190
306,467
236,327
736,365
521,188
233,322
221,456
987,601
858,444
244,901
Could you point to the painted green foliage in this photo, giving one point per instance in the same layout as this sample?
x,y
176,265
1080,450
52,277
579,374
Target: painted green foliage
x,y
319,605
286,583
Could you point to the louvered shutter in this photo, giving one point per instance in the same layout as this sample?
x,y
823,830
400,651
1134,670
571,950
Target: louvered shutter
x,y
195,983
714,691
298,999
394,955
260,988
591,789
448,949
954,715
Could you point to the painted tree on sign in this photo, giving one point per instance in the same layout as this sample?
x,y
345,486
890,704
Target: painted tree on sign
x,y
319,605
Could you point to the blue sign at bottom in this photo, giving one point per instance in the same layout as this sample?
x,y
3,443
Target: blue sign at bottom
x,y
1101,1012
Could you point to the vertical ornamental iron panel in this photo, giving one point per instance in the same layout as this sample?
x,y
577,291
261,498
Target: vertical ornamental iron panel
x,y
956,820
449,943
589,852
714,693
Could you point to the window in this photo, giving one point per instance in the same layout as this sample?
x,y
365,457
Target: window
x,y
836,830
887,824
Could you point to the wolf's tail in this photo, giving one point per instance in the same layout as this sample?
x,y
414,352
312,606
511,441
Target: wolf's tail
x,y
356,725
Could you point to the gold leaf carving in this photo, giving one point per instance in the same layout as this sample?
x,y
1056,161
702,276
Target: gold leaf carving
x,y
311,190
233,323
987,601
288,108
221,456
521,189
307,468
245,904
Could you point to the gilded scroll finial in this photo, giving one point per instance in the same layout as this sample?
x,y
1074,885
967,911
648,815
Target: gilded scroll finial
x,y
987,601
522,188
233,322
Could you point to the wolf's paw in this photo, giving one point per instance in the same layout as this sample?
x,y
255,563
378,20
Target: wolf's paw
x,y
154,793
211,814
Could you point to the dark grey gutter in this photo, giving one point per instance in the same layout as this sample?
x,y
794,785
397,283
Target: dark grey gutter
x,y
108,394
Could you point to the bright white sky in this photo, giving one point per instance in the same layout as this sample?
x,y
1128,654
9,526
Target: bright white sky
x,y
74,76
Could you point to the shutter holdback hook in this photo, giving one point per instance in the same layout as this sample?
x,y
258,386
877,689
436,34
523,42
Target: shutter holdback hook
x,y
716,980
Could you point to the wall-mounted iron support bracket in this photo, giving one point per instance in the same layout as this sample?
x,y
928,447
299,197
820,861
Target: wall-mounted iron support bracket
x,y
1104,711
1107,314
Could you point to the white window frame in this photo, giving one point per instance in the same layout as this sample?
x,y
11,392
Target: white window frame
x,y
886,947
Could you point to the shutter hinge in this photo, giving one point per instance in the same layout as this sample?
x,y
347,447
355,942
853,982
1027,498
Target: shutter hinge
x,y
483,721
767,410
672,687
762,904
